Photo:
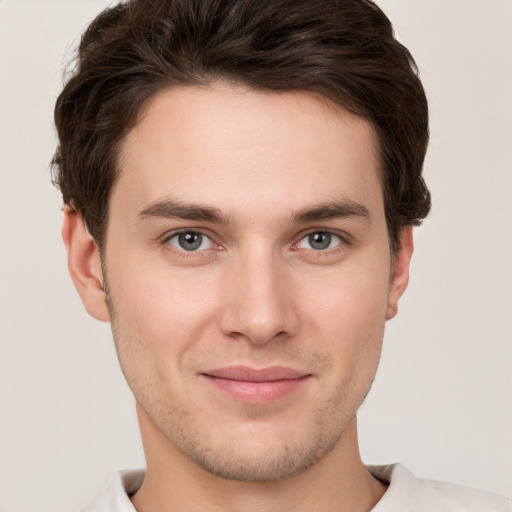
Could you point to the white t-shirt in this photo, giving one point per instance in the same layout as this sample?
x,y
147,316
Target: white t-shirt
x,y
405,494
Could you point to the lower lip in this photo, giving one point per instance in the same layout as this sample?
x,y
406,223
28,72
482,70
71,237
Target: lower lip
x,y
257,392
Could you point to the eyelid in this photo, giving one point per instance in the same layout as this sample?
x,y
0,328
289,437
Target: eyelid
x,y
345,238
165,238
173,232
334,238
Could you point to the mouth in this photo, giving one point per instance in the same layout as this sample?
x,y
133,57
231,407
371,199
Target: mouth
x,y
257,386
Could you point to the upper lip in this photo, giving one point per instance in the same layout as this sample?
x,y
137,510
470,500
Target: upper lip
x,y
248,374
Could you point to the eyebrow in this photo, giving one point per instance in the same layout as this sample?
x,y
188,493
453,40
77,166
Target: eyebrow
x,y
332,210
173,209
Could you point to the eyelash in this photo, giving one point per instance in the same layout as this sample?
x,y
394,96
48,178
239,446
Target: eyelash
x,y
314,255
183,253
343,242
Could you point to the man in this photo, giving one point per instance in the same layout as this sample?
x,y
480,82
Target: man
x,y
241,180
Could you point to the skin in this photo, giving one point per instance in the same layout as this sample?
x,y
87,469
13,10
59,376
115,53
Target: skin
x,y
254,173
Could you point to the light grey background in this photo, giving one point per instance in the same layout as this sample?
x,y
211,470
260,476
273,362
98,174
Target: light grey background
x,y
441,403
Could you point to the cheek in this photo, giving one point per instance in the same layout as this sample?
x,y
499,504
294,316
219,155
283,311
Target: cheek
x,y
157,318
351,320
348,300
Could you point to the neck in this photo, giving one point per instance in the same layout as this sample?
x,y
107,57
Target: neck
x,y
338,482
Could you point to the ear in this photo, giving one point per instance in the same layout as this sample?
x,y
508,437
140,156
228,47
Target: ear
x,y
400,271
84,264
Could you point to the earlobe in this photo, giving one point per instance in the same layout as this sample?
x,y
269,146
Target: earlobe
x,y
84,264
400,271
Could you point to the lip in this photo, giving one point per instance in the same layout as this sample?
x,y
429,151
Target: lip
x,y
258,386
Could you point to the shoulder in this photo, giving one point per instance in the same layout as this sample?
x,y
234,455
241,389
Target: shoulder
x,y
115,495
409,493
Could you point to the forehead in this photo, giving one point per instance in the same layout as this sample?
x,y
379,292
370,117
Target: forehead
x,y
234,148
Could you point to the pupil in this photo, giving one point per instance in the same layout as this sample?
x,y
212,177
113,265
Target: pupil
x,y
320,241
190,241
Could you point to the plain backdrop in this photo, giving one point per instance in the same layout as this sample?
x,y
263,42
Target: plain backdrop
x,y
441,402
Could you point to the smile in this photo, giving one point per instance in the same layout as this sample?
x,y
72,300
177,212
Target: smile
x,y
256,386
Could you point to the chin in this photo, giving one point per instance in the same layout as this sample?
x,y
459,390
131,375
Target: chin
x,y
238,465
254,457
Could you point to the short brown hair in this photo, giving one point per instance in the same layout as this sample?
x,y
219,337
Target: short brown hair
x,y
343,49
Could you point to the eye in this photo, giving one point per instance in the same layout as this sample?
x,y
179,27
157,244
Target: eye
x,y
190,241
320,241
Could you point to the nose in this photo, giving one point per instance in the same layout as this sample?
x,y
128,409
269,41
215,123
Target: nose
x,y
258,303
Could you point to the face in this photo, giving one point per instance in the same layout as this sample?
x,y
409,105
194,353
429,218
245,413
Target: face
x,y
249,275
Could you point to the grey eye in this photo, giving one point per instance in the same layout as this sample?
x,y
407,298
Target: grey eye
x,y
320,241
190,241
